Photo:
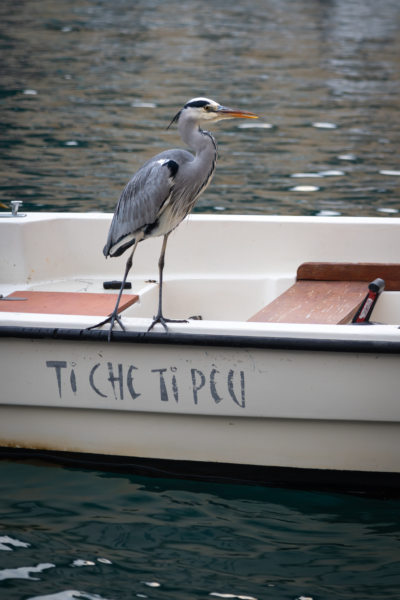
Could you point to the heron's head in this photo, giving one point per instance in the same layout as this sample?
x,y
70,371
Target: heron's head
x,y
204,110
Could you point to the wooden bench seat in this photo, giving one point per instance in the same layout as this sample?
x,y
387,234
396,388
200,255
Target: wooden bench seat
x,y
327,293
65,303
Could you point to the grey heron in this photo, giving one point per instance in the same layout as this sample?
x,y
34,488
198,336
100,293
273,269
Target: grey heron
x,y
164,190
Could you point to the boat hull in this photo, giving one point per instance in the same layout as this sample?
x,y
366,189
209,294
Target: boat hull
x,y
237,405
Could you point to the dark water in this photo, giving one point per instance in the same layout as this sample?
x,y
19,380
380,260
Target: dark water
x,y
68,533
87,88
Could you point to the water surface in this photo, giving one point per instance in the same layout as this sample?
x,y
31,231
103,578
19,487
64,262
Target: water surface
x,y
88,88
118,537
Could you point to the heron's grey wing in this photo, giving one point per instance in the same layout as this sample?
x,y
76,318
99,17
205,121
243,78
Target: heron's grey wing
x,y
140,202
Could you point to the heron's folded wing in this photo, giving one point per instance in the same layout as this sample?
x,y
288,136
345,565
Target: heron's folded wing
x,y
140,201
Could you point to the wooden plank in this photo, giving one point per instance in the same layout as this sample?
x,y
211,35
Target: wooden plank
x,y
322,302
322,271
66,303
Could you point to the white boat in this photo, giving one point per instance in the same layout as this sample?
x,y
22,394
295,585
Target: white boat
x,y
231,394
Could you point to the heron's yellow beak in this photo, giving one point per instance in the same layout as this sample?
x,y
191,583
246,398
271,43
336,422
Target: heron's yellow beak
x,y
230,113
3,205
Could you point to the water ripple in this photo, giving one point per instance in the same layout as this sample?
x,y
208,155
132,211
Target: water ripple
x,y
87,92
120,536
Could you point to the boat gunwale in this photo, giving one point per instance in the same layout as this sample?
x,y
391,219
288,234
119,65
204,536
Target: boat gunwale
x,y
205,339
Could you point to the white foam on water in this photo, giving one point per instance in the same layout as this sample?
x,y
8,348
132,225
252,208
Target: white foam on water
x,y
389,211
69,595
327,173
6,541
331,173
139,104
390,172
24,572
64,595
349,157
104,561
255,126
305,188
240,597
328,213
152,584
324,125
79,562
305,175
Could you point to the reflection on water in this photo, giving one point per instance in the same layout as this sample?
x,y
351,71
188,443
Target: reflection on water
x,y
102,536
89,86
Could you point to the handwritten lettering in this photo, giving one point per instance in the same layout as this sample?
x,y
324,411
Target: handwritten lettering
x,y
57,365
163,387
174,384
213,387
91,381
128,383
199,381
72,380
231,388
113,379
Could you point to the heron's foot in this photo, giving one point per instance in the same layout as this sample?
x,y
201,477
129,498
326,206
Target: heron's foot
x,y
163,321
114,317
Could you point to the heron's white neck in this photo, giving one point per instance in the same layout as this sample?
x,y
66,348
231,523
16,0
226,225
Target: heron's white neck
x,y
202,142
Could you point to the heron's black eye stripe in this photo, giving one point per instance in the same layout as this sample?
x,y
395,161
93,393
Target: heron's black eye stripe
x,y
197,104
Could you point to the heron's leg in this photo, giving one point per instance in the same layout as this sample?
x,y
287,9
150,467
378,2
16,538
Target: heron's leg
x,y
114,315
159,318
161,263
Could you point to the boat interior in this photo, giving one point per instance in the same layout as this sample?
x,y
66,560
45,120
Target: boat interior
x,y
323,293
65,274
